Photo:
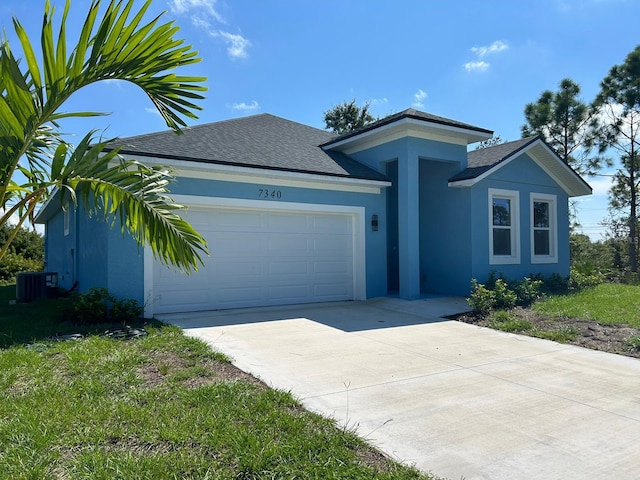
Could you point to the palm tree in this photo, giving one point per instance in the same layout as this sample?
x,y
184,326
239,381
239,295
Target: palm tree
x,y
117,47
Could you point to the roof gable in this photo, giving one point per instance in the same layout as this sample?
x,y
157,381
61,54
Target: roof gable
x,y
407,123
261,141
483,162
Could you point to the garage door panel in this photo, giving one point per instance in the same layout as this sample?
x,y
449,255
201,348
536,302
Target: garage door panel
x,y
288,268
182,297
343,267
240,268
336,225
234,244
238,294
237,220
287,245
262,257
283,293
328,290
331,245
287,223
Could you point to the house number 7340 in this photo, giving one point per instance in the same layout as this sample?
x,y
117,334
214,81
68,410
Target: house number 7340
x,y
266,193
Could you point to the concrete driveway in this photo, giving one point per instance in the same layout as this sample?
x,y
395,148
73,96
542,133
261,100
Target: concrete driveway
x,y
448,397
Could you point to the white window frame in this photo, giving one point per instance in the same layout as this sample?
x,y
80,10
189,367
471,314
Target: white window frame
x,y
514,197
66,218
552,200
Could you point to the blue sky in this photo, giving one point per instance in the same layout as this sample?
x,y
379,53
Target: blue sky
x,y
477,62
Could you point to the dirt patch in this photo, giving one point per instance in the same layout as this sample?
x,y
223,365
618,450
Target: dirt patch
x,y
168,366
588,333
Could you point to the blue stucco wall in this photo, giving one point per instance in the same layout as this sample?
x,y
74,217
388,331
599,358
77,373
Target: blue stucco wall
x,y
524,175
125,274
93,251
417,270
445,231
60,248
377,156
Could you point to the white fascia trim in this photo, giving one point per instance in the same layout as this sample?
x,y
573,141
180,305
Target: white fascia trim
x,y
406,124
514,258
359,235
569,191
552,200
231,173
409,132
580,189
44,207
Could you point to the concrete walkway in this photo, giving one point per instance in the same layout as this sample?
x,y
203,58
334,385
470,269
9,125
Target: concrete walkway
x,y
450,398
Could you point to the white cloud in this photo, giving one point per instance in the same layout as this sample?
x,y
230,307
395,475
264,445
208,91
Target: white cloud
x,y
113,81
200,22
246,107
418,98
204,15
236,44
13,219
153,111
496,47
206,7
376,101
478,66
600,185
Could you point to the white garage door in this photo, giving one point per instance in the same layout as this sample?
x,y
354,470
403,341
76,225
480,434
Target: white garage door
x,y
262,257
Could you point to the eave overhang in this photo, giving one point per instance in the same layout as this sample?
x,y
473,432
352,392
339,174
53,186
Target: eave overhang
x,y
567,178
407,127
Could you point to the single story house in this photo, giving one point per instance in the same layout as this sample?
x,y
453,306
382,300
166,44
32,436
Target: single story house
x,y
294,214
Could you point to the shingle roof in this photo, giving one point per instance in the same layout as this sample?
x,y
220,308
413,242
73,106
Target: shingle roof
x,y
484,159
259,141
409,113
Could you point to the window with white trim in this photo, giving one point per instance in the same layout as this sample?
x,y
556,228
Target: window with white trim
x,y
504,222
544,236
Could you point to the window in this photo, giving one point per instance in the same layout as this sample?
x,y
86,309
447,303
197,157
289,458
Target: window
x,y
504,241
65,213
544,243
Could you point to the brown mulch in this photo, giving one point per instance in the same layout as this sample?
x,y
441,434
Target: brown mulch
x,y
589,333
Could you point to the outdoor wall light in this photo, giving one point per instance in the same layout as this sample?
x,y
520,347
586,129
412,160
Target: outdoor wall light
x,y
374,223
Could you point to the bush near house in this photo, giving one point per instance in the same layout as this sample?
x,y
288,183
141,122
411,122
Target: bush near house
x,y
499,293
99,306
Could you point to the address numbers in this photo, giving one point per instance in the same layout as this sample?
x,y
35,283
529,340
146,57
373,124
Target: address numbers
x,y
266,193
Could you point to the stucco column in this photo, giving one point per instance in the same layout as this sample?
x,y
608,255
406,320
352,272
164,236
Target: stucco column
x,y
408,226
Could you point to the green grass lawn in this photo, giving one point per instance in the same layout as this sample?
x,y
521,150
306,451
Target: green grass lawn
x,y
163,406
609,304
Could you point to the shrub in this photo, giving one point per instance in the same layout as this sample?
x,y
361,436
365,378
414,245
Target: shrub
x,y
482,300
504,296
555,284
99,306
13,263
580,281
126,311
528,291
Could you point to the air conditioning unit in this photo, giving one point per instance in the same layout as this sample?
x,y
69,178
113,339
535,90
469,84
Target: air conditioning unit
x,y
32,285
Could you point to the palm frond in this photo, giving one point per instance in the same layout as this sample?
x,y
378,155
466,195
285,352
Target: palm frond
x,y
113,44
132,195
